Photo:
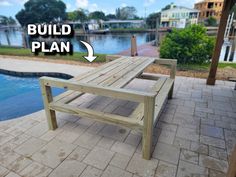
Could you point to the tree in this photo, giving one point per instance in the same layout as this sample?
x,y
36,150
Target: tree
x,y
110,16
189,45
82,15
11,21
7,20
136,17
125,13
77,15
128,12
3,20
211,21
152,20
72,16
42,11
97,15
118,13
168,6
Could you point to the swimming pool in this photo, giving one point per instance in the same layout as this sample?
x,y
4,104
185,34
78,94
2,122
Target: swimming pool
x,y
20,96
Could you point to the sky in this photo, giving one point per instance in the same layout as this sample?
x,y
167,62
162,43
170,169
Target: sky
x,y
144,7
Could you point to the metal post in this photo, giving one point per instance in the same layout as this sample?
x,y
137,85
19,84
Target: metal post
x,y
227,27
233,47
7,36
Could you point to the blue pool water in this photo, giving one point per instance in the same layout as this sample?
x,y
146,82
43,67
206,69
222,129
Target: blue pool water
x,y
20,96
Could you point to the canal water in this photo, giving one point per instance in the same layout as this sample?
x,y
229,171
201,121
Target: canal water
x,y
104,44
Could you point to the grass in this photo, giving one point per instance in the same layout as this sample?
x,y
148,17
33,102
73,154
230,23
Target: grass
x,y
203,67
194,67
224,65
77,56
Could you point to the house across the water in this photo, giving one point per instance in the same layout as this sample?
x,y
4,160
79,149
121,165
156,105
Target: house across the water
x,y
104,26
179,17
124,24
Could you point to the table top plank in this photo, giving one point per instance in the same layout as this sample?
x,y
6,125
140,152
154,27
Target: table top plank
x,y
119,73
133,73
126,64
99,73
98,69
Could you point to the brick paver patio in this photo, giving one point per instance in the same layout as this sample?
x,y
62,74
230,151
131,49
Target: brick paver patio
x,y
193,137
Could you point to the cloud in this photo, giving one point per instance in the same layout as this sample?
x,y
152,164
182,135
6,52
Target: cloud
x,y
123,5
188,3
148,2
20,1
5,3
109,11
68,6
93,7
11,2
82,3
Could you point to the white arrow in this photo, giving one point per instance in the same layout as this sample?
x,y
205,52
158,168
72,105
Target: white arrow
x,y
90,56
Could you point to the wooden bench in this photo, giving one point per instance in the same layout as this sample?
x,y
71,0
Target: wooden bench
x,y
109,80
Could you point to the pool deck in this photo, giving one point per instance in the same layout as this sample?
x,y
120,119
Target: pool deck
x,y
193,137
30,66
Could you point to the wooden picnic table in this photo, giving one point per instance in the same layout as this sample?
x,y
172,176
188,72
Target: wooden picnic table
x,y
109,80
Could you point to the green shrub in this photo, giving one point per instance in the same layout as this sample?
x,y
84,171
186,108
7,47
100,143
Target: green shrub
x,y
188,46
211,21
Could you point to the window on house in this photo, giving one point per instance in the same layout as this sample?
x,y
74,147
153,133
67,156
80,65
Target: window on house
x,y
210,5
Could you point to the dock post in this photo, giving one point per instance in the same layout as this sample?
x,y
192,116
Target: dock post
x,y
157,32
134,51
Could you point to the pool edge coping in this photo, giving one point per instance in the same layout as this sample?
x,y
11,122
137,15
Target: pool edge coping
x,y
35,74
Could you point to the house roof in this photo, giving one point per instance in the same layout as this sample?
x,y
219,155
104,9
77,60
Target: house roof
x,y
180,8
124,21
